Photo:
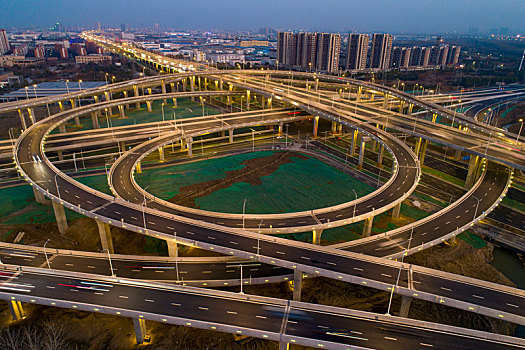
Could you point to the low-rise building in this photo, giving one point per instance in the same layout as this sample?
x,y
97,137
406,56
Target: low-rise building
x,y
95,58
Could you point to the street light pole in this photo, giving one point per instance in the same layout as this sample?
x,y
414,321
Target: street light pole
x,y
56,184
110,264
519,133
476,210
45,253
399,273
243,212
355,204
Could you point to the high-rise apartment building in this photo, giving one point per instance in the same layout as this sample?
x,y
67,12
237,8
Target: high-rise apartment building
x,y
381,51
425,56
442,56
453,55
415,56
316,51
400,57
4,42
357,51
284,48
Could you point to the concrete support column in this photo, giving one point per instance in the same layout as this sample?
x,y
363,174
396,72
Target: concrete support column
x,y
60,155
396,211
361,153
17,311
161,154
138,168
471,174
106,238
434,117
385,101
182,145
458,154
121,111
136,94
297,284
148,103
163,89
94,120
77,120
405,305
401,106
417,146
172,249
359,92
423,152
280,133
122,146
126,96
72,102
269,103
140,329
189,142
60,216
334,128
22,119
248,100
174,102
32,116
372,96
316,126
353,145
192,86
284,346
340,129
410,108
62,128
316,236
39,197
316,84
230,133
367,227
61,106
380,155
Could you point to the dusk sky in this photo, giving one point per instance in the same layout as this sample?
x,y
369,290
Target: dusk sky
x,y
329,15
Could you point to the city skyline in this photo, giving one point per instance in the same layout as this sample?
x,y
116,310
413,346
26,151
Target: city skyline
x,y
334,16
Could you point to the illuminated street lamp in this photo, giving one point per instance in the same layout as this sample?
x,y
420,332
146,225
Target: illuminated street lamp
x,y
519,133
34,89
67,86
27,95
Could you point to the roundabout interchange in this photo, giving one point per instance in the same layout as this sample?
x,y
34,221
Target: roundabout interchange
x,y
368,111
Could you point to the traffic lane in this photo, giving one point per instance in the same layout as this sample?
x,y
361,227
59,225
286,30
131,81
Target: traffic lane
x,y
455,216
508,216
403,182
470,293
188,305
377,334
141,269
516,194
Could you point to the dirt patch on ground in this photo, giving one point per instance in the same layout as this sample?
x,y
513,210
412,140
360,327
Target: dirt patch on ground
x,y
251,173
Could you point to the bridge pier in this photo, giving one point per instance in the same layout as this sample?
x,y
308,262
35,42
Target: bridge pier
x,y
358,95
280,132
173,248
22,119
385,101
161,154
396,211
62,128
61,106
284,346
121,111
458,154
17,311
39,197
367,226
423,152
189,142
148,103
230,133
60,155
417,146
138,168
362,153
163,89
316,236
334,128
410,108
340,129
94,120
248,100
316,126
106,239
434,117
405,306
126,96
122,146
297,284
473,167
401,106
353,145
32,116
108,98
136,94
380,155
140,329
174,102
60,216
